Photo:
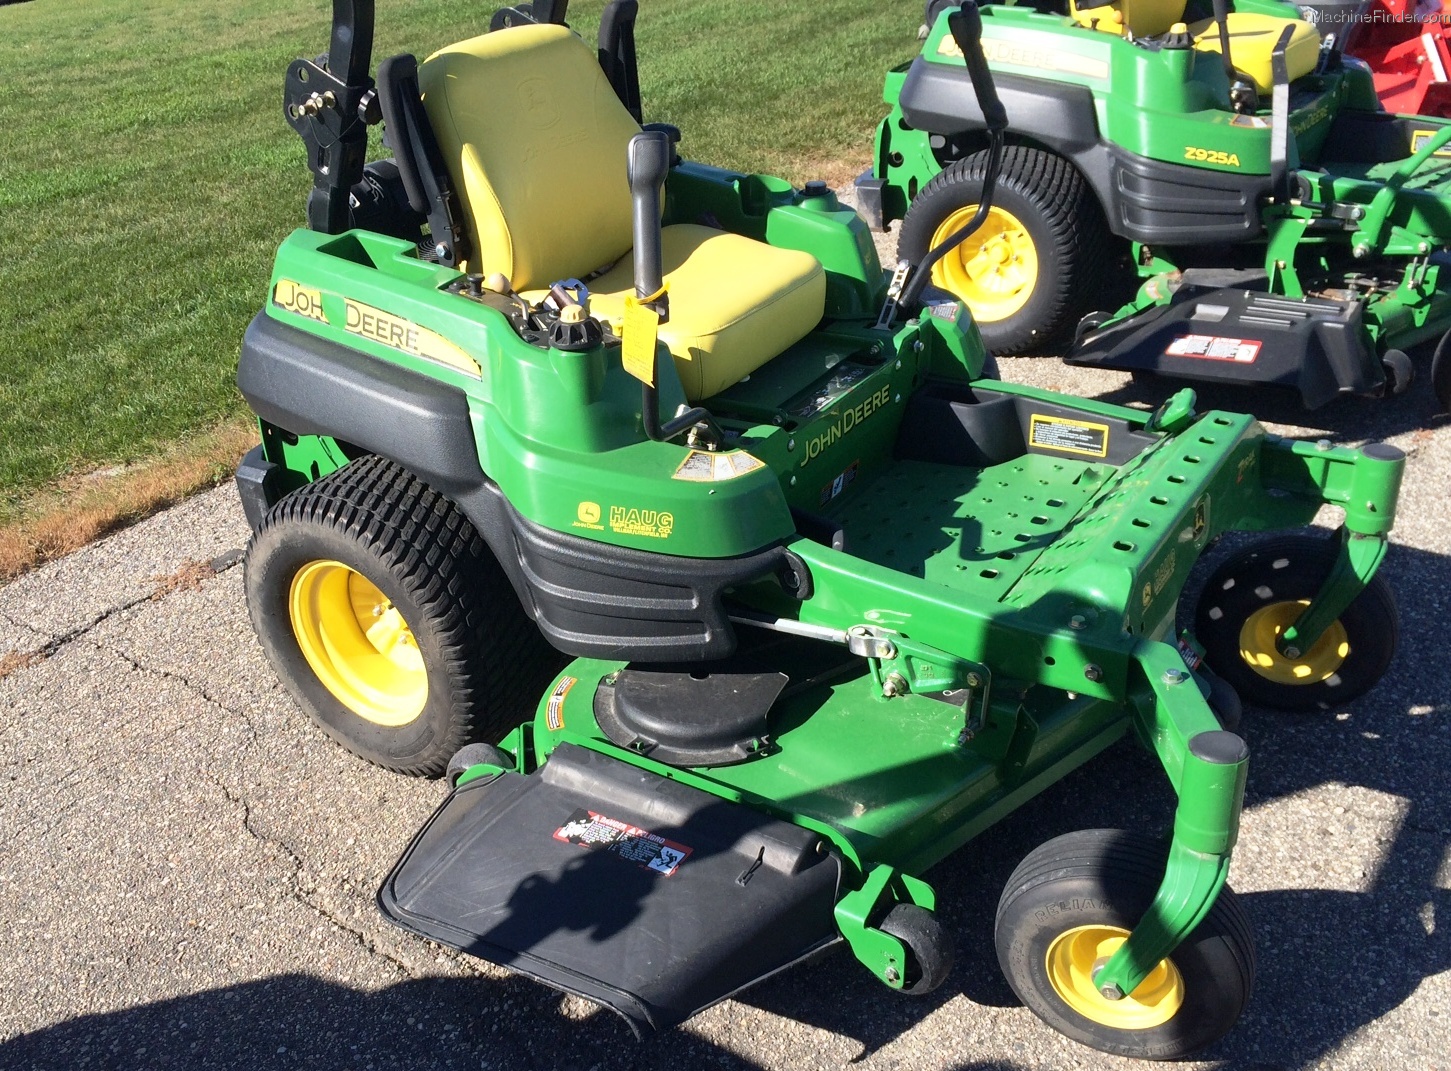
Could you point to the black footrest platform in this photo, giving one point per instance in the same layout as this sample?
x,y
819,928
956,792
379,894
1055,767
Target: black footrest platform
x,y
611,882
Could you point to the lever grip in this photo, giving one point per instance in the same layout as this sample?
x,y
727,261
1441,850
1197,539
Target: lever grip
x,y
965,25
648,162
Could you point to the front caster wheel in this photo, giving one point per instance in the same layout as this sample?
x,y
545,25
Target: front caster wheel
x,y
1068,907
1252,598
929,948
384,614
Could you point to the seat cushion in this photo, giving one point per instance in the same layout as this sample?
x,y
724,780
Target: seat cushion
x,y
734,303
1143,18
1252,40
535,138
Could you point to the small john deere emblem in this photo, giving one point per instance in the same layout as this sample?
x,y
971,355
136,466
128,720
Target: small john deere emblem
x,y
589,512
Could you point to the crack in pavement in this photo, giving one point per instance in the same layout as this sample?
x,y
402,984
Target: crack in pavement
x,y
296,891
52,646
298,894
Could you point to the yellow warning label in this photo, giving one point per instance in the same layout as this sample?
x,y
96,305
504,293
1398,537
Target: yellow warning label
x,y
1419,139
702,467
651,523
554,709
407,337
1069,436
303,300
638,335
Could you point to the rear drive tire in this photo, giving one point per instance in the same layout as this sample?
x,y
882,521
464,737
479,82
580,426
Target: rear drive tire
x,y
1031,271
387,618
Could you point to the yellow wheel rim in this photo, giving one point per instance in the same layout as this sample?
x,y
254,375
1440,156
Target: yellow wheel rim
x,y
1257,638
994,270
357,643
1073,957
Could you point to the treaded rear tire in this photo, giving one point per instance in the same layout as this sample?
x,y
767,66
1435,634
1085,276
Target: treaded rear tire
x,y
485,660
1062,216
1109,877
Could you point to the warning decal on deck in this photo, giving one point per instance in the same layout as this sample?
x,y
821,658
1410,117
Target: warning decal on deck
x,y
1070,436
592,830
1214,348
554,710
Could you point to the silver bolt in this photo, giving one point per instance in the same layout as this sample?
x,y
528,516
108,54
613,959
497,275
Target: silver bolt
x,y
1175,676
891,974
1292,652
1111,992
1322,444
793,481
917,346
973,680
894,685
610,678
899,365
1078,621
790,444
1093,672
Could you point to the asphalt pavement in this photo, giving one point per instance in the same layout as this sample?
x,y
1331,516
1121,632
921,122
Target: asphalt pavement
x,y
188,868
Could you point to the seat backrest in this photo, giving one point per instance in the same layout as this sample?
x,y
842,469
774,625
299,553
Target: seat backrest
x,y
535,138
1143,18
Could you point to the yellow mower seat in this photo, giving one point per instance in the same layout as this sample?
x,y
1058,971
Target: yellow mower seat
x,y
535,139
1252,36
1252,39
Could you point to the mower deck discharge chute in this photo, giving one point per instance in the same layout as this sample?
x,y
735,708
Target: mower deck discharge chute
x,y
1285,229
837,600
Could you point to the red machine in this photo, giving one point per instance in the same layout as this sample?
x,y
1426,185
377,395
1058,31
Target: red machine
x,y
1406,44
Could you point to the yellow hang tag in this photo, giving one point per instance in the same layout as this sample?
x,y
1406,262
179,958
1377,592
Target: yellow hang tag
x,y
639,334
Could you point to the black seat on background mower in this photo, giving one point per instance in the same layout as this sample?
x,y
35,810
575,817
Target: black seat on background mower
x,y
535,138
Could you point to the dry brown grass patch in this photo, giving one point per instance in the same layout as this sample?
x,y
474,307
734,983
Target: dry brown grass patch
x,y
12,661
85,508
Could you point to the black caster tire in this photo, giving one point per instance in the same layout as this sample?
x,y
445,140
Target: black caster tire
x,y
1254,595
1441,372
1400,373
471,755
1030,271
1071,902
1224,701
387,618
929,947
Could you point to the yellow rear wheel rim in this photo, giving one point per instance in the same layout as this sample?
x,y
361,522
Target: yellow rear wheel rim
x,y
1257,638
994,270
1073,957
357,643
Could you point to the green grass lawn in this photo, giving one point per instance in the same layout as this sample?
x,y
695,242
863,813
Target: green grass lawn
x,y
147,175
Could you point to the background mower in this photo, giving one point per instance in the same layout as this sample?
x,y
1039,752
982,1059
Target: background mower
x,y
1403,41
837,601
1286,230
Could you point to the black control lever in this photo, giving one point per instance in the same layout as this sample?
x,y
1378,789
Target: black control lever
x,y
648,162
966,26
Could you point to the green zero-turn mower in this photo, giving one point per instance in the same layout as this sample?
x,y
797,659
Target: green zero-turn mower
x,y
1286,229
838,601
